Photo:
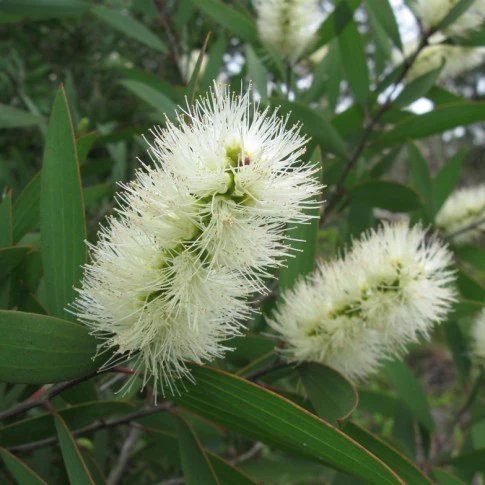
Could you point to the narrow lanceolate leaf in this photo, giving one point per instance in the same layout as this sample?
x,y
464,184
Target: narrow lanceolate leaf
x,y
446,179
260,414
128,26
410,392
26,209
336,21
152,96
10,257
474,461
62,222
404,467
417,88
354,59
303,241
455,12
76,469
444,477
383,11
314,125
15,118
76,416
229,18
6,240
37,349
386,195
442,118
331,394
20,471
196,466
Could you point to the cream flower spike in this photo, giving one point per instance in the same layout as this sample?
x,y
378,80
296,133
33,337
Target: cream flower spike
x,y
288,25
454,59
235,177
462,216
432,12
352,313
196,234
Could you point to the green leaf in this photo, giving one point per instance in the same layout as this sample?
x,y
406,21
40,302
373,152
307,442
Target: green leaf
x,y
314,125
458,347
225,472
84,144
354,58
377,402
195,463
62,224
473,461
410,392
331,394
6,240
385,15
6,231
152,96
22,473
386,195
215,63
76,416
469,288
336,21
304,243
15,118
10,258
455,12
442,118
34,9
260,414
417,88
420,177
444,477
37,349
77,471
128,26
26,209
257,71
229,18
94,193
473,255
446,179
404,467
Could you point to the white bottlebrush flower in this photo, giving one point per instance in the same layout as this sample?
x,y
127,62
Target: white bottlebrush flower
x,y
454,59
237,172
432,12
169,279
353,312
464,209
478,337
157,304
288,25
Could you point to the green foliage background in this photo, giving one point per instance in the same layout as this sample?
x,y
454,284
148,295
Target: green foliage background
x,y
248,419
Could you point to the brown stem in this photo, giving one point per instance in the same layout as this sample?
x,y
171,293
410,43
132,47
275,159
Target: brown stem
x,y
96,426
339,186
43,395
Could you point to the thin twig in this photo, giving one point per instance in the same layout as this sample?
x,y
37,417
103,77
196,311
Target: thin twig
x,y
95,426
339,186
469,400
125,454
474,225
43,395
248,455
